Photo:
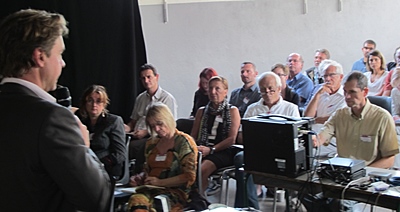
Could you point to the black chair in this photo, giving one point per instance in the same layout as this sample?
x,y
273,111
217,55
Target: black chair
x,y
185,125
124,178
384,102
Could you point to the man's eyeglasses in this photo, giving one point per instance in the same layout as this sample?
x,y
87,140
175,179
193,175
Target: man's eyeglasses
x,y
330,75
282,75
267,91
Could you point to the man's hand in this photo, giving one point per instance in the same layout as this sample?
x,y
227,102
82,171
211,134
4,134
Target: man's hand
x,y
127,128
139,134
84,132
326,87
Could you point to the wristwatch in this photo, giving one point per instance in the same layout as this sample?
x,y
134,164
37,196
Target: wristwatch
x,y
212,150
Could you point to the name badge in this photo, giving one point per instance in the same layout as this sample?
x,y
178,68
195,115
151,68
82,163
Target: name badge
x,y
246,100
365,138
161,157
218,119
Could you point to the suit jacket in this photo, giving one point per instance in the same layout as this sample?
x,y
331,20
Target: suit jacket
x,y
45,165
108,141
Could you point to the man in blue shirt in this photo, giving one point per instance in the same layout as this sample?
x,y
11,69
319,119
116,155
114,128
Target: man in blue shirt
x,y
299,82
359,65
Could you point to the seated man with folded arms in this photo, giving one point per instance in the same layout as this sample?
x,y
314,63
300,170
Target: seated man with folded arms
x,y
363,131
327,99
137,126
271,103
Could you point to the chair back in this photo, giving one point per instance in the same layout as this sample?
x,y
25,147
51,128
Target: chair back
x,y
124,179
185,125
384,102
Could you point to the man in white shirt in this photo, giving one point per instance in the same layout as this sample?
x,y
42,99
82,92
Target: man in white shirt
x,y
137,125
327,99
271,103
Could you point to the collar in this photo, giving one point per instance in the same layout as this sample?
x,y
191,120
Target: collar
x,y
252,88
364,111
31,86
157,95
277,103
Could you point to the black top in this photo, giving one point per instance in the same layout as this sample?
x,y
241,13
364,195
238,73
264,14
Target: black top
x,y
107,140
200,100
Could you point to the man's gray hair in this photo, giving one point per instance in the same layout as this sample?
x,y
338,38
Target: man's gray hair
x,y
324,51
326,63
270,73
362,80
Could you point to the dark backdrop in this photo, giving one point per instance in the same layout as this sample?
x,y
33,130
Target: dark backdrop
x,y
105,46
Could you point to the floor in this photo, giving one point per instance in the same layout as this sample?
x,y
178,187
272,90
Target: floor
x,y
266,203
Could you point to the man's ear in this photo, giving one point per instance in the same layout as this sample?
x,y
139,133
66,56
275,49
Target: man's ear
x,y
38,57
365,91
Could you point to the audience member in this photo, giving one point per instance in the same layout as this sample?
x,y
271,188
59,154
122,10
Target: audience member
x,y
215,129
46,162
107,135
396,108
171,158
387,87
201,95
360,65
376,73
287,93
248,94
299,82
137,125
313,72
363,130
270,85
327,99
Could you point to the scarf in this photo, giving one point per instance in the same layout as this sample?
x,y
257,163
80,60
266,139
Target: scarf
x,y
224,110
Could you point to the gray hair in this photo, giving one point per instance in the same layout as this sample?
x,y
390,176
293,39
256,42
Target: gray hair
x,y
268,74
362,80
325,65
324,51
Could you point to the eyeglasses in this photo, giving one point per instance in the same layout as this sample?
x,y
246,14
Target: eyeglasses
x,y
267,91
282,75
92,101
330,75
368,48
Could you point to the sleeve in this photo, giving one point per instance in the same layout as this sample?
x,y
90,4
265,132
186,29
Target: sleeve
x,y
388,145
387,86
134,114
305,88
170,101
193,113
117,141
188,159
395,102
74,167
328,130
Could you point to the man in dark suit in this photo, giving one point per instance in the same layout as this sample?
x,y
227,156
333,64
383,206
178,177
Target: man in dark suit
x,y
44,156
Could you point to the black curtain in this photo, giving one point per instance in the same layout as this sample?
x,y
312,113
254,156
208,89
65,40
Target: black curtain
x,y
105,46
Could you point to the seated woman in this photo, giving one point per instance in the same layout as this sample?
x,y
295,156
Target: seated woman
x,y
171,158
201,95
216,126
376,73
106,131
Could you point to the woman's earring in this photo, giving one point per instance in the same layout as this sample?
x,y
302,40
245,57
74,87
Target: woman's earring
x,y
103,114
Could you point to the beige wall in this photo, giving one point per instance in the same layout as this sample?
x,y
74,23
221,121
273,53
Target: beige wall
x,y
224,34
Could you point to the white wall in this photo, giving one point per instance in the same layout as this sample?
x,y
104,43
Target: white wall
x,y
222,35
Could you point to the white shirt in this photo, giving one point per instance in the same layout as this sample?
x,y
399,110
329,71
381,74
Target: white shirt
x,y
282,107
376,86
328,104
